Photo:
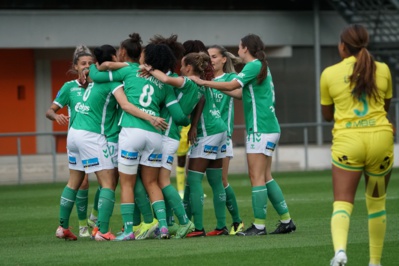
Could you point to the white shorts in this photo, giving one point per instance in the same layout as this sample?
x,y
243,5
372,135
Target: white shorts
x,y
262,143
210,147
229,148
88,151
169,148
113,151
137,146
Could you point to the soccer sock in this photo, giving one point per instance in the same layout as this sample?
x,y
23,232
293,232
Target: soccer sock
x,y
340,221
276,197
194,180
81,206
186,201
173,199
67,201
377,226
142,201
159,209
127,211
214,176
94,211
106,203
169,212
231,204
180,178
136,215
259,204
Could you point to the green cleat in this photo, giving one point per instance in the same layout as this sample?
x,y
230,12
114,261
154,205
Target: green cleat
x,y
173,229
185,229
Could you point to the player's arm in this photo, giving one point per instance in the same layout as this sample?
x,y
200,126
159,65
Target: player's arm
x,y
104,76
51,114
236,94
109,65
195,117
128,107
328,112
177,114
177,82
221,86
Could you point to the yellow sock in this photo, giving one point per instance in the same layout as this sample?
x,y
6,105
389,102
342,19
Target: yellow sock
x,y
180,178
377,227
340,221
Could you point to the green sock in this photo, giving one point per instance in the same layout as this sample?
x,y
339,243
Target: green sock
x,y
186,201
106,203
136,215
259,203
169,213
127,211
194,180
214,176
94,211
142,201
231,204
159,209
276,197
81,206
67,201
172,198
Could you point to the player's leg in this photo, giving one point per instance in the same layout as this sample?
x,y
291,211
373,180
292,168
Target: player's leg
x,y
81,207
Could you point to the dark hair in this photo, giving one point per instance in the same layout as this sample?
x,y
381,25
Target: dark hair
x,y
256,48
200,63
194,46
176,47
159,56
133,46
104,53
355,38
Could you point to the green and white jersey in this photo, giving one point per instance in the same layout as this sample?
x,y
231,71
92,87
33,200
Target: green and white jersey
x,y
97,111
225,103
115,128
188,96
69,95
210,122
121,74
149,95
258,100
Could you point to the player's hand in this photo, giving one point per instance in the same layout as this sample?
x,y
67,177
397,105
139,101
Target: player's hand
x,y
61,119
145,70
192,135
83,78
159,123
196,80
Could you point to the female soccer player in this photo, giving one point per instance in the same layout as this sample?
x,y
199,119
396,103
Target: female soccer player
x,y
263,132
70,95
356,94
223,64
207,150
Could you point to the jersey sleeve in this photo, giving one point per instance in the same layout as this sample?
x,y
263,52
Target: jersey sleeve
x,y
174,108
248,73
389,93
325,98
105,76
62,98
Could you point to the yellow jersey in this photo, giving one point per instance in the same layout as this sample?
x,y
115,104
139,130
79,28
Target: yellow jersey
x,y
365,114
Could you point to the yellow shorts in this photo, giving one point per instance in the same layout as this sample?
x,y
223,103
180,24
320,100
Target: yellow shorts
x,y
183,144
368,151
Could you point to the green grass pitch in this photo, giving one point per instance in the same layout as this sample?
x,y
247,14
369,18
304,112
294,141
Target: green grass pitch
x,y
29,218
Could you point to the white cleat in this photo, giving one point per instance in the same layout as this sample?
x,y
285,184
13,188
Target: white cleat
x,y
339,259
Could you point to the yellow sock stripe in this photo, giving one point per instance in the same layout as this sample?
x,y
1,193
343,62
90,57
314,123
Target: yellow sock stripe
x,y
341,211
377,214
347,167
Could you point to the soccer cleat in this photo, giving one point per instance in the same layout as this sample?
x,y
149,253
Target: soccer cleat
x,y
147,229
185,229
84,231
164,233
125,237
252,231
236,227
104,237
65,234
218,232
339,259
173,229
284,228
92,222
136,228
196,233
94,232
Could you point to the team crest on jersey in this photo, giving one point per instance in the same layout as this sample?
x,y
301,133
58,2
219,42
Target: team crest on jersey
x,y
155,157
241,75
79,93
270,146
170,160
129,155
58,94
211,149
90,162
72,160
